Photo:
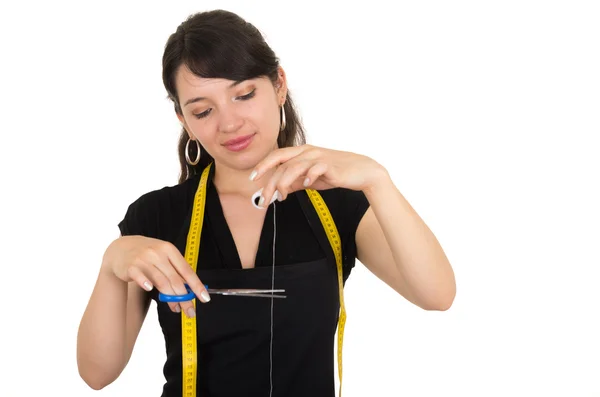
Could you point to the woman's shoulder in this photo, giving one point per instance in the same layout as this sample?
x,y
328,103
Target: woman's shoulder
x,y
165,195
342,200
148,213
346,206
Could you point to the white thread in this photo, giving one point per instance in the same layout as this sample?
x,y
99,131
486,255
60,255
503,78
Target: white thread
x,y
272,299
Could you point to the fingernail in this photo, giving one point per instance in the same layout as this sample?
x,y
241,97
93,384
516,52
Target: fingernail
x,y
190,312
253,175
261,201
205,296
177,309
306,182
148,286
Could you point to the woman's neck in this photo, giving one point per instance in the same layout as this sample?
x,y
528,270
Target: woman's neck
x,y
230,181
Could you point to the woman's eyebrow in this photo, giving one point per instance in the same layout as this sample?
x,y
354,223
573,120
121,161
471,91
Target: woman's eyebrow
x,y
200,98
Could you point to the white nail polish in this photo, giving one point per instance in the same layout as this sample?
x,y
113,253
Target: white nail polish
x,y
148,286
253,175
205,296
261,201
306,182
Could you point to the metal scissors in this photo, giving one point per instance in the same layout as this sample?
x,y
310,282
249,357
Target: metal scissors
x,y
261,293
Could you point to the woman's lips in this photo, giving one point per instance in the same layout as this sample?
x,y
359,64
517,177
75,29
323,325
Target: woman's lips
x,y
240,143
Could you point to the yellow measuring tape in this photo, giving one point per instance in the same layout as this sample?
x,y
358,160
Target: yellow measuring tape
x,y
336,245
188,325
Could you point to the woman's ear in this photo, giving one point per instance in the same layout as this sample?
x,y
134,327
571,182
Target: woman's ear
x,y
184,124
281,86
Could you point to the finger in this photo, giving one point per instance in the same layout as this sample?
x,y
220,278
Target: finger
x,y
292,177
140,278
156,265
177,285
187,273
276,158
144,282
314,173
175,279
269,189
162,284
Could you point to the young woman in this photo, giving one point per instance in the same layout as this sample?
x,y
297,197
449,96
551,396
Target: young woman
x,y
241,138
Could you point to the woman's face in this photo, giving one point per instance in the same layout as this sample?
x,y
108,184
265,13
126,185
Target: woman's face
x,y
236,122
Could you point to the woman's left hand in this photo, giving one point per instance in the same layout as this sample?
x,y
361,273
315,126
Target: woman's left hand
x,y
307,166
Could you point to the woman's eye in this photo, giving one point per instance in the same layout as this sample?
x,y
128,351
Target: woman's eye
x,y
247,96
243,98
203,114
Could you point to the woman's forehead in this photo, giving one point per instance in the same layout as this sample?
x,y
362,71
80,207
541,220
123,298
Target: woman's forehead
x,y
185,79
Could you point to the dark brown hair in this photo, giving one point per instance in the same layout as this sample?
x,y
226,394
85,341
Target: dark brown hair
x,y
220,44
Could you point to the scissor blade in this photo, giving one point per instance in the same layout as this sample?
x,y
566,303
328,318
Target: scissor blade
x,y
243,291
252,295
259,294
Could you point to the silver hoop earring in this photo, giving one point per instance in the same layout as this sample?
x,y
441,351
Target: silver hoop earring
x,y
282,127
187,153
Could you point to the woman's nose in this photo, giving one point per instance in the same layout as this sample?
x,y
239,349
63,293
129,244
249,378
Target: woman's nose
x,y
230,122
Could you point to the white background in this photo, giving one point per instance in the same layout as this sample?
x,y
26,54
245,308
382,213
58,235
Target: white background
x,y
485,113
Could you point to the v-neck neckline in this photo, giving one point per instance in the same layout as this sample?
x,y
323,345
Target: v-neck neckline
x,y
224,238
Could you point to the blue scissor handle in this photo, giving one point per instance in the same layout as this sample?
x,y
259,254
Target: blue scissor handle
x,y
178,298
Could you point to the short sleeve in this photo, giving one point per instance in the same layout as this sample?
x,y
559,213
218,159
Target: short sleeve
x,y
347,208
141,217
160,213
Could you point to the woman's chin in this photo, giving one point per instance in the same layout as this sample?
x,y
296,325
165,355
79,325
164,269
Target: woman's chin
x,y
245,159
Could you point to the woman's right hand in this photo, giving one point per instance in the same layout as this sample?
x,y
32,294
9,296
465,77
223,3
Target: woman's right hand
x,y
150,263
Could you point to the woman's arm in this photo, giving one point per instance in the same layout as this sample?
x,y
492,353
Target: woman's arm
x,y
396,245
109,328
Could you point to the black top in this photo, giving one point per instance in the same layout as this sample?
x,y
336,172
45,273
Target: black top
x,y
234,334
